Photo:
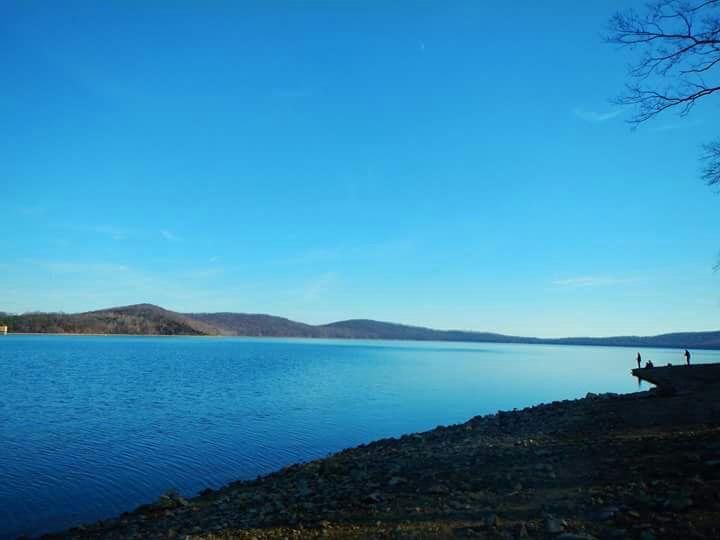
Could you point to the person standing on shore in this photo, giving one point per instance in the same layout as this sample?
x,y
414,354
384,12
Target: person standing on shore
x,y
639,360
687,357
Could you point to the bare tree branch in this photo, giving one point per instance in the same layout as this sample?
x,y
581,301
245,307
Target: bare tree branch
x,y
678,64
711,158
679,43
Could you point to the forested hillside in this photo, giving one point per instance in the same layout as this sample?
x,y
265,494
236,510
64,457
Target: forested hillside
x,y
147,319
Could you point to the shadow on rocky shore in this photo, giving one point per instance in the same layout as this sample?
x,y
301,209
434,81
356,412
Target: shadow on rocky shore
x,y
639,466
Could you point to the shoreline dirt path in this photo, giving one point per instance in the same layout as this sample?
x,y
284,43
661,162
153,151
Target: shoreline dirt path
x,y
639,466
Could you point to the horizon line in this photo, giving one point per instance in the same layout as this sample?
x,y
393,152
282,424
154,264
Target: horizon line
x,y
190,313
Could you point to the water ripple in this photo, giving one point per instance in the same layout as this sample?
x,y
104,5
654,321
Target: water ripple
x,y
94,426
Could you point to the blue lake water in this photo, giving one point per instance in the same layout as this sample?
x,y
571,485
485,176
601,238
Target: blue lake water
x,y
94,426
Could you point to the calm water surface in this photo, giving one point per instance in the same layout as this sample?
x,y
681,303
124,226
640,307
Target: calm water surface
x,y
94,426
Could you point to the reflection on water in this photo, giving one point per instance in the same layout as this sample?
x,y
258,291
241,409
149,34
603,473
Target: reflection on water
x,y
93,426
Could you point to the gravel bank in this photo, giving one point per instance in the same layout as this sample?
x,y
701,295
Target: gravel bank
x,y
639,466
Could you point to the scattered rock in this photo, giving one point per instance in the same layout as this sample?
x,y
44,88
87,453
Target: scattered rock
x,y
439,489
170,499
553,526
680,503
396,480
647,534
373,498
455,480
490,519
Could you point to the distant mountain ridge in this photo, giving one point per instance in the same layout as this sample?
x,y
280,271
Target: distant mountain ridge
x,y
148,319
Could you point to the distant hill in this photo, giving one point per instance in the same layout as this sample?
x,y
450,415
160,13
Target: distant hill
x,y
147,319
681,340
369,329
248,324
141,319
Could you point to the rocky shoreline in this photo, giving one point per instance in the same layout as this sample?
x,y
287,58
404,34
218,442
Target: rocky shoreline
x,y
640,466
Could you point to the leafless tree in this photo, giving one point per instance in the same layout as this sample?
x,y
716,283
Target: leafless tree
x,y
678,64
711,170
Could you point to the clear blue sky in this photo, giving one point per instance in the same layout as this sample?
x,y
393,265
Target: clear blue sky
x,y
454,165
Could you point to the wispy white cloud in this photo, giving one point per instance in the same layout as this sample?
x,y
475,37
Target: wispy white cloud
x,y
319,286
202,273
327,255
71,267
290,93
677,125
80,285
596,116
169,236
116,233
30,210
100,269
593,281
